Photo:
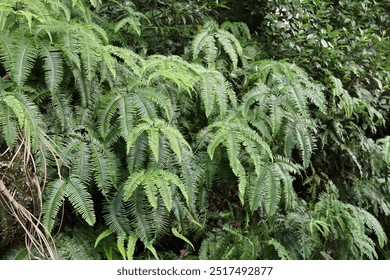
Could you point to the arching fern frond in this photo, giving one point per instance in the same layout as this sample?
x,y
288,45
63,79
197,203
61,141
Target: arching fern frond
x,y
170,68
206,40
52,67
155,181
172,134
25,55
80,199
55,194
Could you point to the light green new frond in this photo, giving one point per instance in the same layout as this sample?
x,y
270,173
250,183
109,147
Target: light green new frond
x,y
52,67
289,140
13,103
80,199
155,180
314,93
174,179
214,90
131,246
154,142
132,22
265,190
132,184
54,198
205,42
207,92
150,187
170,68
276,115
249,134
238,29
171,133
253,153
272,192
135,133
24,55
297,98
70,47
165,192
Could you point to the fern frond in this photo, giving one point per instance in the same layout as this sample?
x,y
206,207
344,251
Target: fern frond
x,y
280,249
115,214
28,116
81,162
6,51
25,55
102,167
130,58
109,106
88,52
155,180
125,116
305,143
171,68
80,199
140,210
62,108
173,136
8,125
205,42
55,194
230,45
372,223
158,98
52,67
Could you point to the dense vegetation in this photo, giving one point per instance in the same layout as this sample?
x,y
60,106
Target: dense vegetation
x,y
194,129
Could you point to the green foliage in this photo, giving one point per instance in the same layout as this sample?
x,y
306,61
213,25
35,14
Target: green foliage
x,y
159,132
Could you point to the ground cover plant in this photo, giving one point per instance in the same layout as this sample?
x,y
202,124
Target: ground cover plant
x,y
194,129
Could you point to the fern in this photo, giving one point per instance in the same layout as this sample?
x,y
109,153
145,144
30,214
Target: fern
x,y
80,199
155,181
55,194
25,55
53,67
206,40
174,137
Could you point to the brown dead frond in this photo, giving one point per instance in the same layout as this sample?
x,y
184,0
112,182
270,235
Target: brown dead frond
x,y
28,215
33,228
